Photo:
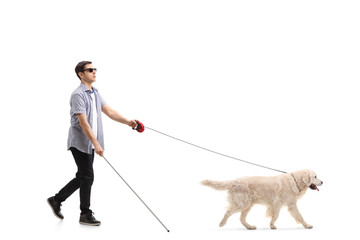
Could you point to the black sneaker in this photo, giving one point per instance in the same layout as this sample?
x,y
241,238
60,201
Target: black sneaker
x,y
89,219
55,206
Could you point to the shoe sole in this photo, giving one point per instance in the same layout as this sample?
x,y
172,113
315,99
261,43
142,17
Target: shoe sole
x,y
90,224
47,200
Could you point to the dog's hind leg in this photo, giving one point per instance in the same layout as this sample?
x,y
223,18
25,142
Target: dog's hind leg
x,y
243,215
226,216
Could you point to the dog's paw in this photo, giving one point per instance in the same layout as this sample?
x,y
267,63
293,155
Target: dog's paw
x,y
307,226
272,226
221,224
251,227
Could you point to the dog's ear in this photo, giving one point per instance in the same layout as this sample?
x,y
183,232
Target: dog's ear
x,y
306,177
301,180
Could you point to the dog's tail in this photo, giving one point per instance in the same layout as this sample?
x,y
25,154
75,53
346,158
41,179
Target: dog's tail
x,y
218,185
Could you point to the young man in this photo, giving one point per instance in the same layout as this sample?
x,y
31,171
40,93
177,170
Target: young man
x,y
85,138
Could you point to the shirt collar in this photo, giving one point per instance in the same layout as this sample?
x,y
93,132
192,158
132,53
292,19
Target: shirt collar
x,y
85,89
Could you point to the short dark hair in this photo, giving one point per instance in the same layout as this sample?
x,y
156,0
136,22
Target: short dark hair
x,y
80,67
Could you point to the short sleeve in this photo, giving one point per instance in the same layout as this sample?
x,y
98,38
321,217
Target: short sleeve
x,y
77,104
103,103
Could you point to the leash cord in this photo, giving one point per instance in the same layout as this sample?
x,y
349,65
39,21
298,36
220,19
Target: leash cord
x,y
209,150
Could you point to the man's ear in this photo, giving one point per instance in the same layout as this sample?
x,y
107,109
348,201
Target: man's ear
x,y
81,75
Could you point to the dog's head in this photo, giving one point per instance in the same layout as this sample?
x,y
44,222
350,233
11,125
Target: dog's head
x,y
304,179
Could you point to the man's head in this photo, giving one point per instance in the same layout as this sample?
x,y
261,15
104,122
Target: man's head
x,y
85,71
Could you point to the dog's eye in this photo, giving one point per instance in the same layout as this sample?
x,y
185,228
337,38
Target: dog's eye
x,y
315,176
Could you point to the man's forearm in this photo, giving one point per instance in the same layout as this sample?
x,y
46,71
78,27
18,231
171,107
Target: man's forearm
x,y
89,133
114,115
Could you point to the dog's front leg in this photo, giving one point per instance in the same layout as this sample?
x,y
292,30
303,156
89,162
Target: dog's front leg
x,y
294,211
275,210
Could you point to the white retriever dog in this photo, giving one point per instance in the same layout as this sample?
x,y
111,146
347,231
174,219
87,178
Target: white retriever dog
x,y
274,192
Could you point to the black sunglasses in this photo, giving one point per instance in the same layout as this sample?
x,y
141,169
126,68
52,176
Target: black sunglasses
x,y
90,69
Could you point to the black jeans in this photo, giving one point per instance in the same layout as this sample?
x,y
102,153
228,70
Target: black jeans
x,y
83,180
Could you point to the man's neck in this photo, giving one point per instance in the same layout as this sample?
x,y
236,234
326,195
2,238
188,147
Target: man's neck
x,y
88,85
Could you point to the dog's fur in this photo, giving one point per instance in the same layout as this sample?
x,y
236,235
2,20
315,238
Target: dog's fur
x,y
274,192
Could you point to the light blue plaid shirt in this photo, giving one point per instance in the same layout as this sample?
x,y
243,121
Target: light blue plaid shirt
x,y
81,102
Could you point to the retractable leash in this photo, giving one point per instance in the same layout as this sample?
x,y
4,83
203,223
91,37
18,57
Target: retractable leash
x,y
139,127
142,128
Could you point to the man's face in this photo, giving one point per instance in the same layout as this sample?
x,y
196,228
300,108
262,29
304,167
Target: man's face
x,y
89,74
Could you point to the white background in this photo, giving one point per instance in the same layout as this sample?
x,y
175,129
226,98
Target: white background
x,y
273,82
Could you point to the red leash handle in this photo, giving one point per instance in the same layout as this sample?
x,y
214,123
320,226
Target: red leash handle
x,y
139,127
